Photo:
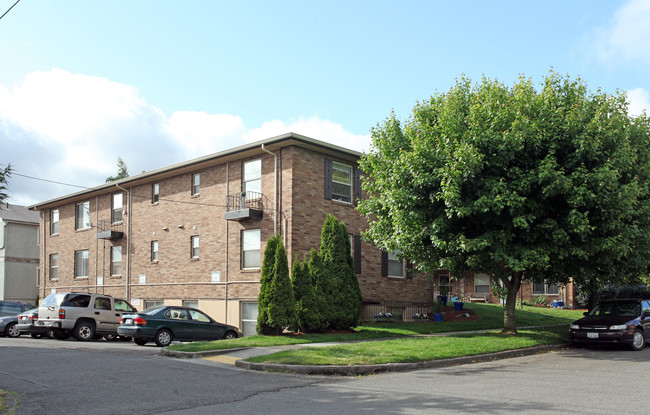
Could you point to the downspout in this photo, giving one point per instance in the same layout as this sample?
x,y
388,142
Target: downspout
x,y
42,275
97,244
226,239
275,190
128,241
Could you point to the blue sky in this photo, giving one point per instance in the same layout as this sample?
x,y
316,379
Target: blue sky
x,y
158,82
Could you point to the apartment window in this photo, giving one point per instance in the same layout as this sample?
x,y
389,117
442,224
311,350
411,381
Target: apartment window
x,y
395,266
253,176
154,251
481,284
250,248
81,264
116,212
116,260
153,303
249,313
54,221
341,182
155,192
194,243
54,266
544,288
191,303
82,215
196,184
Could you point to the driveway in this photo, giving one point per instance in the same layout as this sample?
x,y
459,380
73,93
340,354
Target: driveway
x,y
112,377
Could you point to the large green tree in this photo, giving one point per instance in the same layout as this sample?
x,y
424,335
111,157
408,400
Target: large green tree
x,y
122,171
547,183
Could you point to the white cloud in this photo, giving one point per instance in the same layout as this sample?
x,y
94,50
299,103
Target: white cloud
x,y
313,127
639,100
72,127
626,37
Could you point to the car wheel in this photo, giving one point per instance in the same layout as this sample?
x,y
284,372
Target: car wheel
x,y
230,335
638,341
110,337
163,338
36,335
84,331
10,330
140,342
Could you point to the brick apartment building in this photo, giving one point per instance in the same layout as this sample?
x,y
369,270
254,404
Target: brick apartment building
x,y
194,233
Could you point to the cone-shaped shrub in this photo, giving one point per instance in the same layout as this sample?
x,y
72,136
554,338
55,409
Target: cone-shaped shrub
x,y
281,301
307,306
322,288
342,293
266,280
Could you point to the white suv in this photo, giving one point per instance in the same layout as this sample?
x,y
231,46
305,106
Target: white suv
x,y
82,315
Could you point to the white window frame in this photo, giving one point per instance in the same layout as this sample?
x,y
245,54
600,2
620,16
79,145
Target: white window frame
x,y
54,222
252,176
153,303
339,196
481,277
82,215
54,266
546,288
191,303
393,259
196,184
81,263
195,246
116,261
154,251
155,193
251,241
117,206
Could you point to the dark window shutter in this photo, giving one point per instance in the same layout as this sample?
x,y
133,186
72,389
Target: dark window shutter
x,y
410,271
357,185
328,179
356,240
384,264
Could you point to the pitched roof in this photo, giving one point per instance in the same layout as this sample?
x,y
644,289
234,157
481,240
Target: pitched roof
x,y
246,150
20,214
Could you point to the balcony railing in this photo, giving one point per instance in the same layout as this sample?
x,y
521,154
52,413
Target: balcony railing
x,y
109,230
244,205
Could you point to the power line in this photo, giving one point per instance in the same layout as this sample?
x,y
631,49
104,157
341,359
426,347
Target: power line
x,y
5,13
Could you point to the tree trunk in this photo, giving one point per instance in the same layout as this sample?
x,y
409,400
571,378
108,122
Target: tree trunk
x,y
513,283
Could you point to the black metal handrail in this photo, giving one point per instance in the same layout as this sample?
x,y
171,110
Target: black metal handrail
x,y
244,200
108,225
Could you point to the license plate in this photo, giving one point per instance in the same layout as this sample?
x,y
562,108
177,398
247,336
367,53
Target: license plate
x,y
128,321
592,335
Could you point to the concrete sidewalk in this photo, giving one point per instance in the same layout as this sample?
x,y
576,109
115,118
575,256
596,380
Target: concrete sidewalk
x,y
237,357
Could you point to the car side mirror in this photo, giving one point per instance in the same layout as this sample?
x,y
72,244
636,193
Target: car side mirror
x,y
585,313
645,314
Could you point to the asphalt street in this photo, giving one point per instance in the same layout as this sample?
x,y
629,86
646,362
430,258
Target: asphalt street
x,y
52,377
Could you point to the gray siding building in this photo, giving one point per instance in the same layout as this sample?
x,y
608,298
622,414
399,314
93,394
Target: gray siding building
x,y
19,256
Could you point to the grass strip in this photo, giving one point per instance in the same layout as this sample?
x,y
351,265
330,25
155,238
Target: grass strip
x,y
491,318
416,349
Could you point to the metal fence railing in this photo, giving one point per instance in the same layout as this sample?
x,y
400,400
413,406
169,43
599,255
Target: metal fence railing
x,y
401,310
244,200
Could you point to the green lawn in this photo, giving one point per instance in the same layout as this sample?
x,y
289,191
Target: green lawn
x,y
416,349
491,318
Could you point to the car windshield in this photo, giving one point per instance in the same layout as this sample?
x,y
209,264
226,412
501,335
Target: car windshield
x,y
616,309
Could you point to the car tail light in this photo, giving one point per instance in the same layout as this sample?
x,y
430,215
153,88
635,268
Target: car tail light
x,y
121,319
62,313
139,321
34,317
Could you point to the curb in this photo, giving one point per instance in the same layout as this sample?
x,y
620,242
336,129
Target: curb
x,y
357,370
198,355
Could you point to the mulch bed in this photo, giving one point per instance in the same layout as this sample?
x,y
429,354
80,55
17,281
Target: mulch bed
x,y
449,314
